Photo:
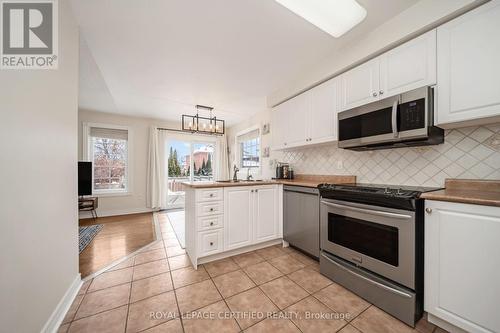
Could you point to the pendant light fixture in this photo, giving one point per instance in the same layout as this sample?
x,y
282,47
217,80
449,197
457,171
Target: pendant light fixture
x,y
204,125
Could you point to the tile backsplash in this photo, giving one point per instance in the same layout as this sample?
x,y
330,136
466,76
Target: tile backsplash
x,y
470,152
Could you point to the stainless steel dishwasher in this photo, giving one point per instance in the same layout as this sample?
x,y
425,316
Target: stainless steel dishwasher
x,y
301,218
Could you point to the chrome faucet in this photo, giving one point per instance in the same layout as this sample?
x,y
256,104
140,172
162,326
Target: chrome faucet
x,y
249,176
235,175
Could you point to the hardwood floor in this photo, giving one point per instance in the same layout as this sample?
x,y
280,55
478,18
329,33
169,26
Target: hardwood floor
x,y
120,236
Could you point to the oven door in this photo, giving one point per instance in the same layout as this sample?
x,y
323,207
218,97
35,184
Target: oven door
x,y
379,239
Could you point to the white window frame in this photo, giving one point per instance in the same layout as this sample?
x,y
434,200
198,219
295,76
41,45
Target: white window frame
x,y
254,171
87,152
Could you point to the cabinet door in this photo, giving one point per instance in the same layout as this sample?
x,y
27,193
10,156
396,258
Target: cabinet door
x,y
266,221
298,110
409,66
279,126
237,217
468,48
360,85
461,265
322,120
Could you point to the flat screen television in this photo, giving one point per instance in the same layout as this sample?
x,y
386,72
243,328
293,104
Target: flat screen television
x,y
84,178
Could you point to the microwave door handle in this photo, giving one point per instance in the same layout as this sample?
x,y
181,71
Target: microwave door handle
x,y
395,118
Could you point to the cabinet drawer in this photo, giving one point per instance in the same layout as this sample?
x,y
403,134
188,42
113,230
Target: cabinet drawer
x,y
209,194
210,242
210,222
209,208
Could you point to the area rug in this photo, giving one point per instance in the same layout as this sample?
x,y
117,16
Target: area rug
x,y
176,219
87,234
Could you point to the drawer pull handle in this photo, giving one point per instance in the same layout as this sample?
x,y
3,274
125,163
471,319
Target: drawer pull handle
x,y
211,243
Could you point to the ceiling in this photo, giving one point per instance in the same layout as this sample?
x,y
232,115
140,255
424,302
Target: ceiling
x,y
161,57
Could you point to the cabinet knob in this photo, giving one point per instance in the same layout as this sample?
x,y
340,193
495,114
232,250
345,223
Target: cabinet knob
x,y
211,243
211,209
381,92
428,210
374,94
211,195
256,190
211,223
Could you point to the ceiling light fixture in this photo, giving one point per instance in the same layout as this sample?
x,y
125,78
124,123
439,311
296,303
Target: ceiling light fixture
x,y
198,124
335,17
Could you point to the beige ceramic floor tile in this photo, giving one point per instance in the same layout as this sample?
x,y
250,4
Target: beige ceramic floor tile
x,y
149,256
271,252
233,283
150,269
102,300
283,292
169,242
197,295
286,264
349,329
139,315
220,267
311,316
213,318
124,264
423,326
273,326
342,300
262,272
184,276
303,258
247,259
179,262
172,326
151,286
173,251
110,279
106,322
250,307
309,279
375,320
63,328
85,286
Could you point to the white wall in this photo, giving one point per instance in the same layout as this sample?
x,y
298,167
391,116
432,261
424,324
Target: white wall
x,y
421,17
136,201
38,185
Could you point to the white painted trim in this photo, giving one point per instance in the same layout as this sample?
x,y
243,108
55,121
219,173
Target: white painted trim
x,y
115,212
444,324
57,316
240,250
157,229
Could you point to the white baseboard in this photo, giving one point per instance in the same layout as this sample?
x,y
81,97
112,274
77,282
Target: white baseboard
x,y
115,212
56,318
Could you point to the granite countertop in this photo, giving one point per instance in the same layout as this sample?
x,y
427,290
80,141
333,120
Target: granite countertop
x,y
469,191
299,180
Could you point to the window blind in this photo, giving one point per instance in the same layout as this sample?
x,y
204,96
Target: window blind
x,y
248,136
109,133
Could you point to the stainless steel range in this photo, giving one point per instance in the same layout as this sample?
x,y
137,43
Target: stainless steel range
x,y
372,242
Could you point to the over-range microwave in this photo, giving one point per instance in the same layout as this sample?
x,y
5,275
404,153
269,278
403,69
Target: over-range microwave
x,y
404,120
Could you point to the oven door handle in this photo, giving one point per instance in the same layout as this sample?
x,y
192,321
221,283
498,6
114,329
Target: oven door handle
x,y
368,211
378,284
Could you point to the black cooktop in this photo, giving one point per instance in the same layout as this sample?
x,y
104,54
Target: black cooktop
x,y
394,196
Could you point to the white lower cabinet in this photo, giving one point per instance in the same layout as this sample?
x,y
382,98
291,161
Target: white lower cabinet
x,y
251,215
462,270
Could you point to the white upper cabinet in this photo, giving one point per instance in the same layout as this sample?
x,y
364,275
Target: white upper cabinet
x,y
308,118
322,120
409,66
360,85
298,111
468,51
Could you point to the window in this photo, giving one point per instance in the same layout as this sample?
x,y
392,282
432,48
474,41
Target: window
x,y
109,153
249,149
